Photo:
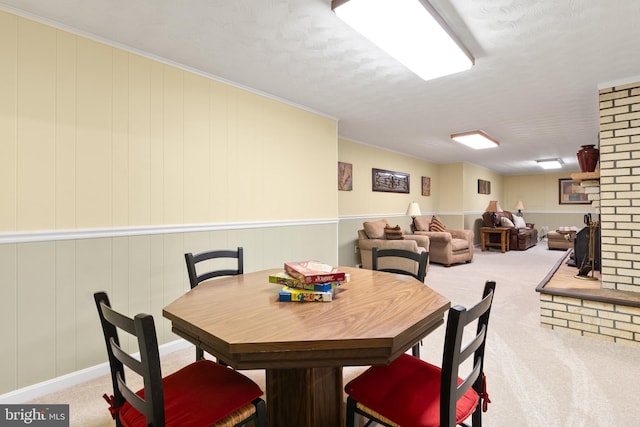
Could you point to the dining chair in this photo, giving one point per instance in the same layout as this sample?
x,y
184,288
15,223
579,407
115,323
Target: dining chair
x,y
210,259
421,259
412,392
201,393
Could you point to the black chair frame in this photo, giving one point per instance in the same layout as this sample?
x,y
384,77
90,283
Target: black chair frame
x,y
148,367
454,355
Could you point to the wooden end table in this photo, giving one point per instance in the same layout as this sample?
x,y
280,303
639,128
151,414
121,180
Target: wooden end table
x,y
504,237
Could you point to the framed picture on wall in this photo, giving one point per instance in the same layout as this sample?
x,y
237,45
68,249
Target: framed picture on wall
x,y
484,187
389,181
345,176
426,186
571,193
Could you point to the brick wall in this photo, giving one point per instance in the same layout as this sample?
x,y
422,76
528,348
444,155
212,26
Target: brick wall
x,y
620,186
608,321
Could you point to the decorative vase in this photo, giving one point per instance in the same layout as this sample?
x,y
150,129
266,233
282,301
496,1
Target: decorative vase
x,y
588,157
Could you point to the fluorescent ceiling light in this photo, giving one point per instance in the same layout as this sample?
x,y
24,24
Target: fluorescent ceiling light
x,y
476,139
550,163
411,31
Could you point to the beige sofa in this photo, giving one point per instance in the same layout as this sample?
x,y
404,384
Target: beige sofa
x,y
372,235
446,247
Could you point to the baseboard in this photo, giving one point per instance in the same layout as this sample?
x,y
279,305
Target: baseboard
x,y
74,378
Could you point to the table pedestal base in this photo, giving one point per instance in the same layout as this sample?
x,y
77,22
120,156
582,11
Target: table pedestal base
x,y
305,397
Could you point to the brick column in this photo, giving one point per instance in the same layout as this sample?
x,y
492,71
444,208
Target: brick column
x,y
620,186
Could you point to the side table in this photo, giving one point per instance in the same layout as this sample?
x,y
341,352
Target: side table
x,y
485,240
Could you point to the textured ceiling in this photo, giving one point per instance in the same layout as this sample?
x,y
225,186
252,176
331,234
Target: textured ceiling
x,y
533,87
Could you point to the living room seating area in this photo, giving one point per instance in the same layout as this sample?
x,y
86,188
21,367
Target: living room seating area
x,y
522,235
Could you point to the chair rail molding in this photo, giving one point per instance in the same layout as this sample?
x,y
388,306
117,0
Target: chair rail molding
x,y
92,233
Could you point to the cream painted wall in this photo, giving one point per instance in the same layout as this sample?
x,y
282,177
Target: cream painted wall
x,y
474,202
450,184
362,204
93,136
539,193
362,201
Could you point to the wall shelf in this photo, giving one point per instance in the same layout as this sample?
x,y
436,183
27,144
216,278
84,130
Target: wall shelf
x,y
585,176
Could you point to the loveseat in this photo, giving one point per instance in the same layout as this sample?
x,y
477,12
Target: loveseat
x,y
447,246
373,235
522,235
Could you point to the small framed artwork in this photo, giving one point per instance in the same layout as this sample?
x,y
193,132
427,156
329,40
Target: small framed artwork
x,y
571,193
389,181
345,176
484,187
426,186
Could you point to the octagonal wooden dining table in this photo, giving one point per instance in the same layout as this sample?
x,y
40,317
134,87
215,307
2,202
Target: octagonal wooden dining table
x,y
303,346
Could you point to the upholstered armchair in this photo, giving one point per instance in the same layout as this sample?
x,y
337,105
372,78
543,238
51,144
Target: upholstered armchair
x,y
447,246
373,235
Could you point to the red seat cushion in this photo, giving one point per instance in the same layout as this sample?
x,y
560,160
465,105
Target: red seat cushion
x,y
407,391
198,395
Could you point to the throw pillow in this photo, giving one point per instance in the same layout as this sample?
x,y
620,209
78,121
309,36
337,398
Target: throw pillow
x,y
518,221
437,225
506,222
375,229
422,224
393,233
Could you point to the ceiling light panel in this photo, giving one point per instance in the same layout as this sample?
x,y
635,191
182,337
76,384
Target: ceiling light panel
x,y
407,31
550,163
477,139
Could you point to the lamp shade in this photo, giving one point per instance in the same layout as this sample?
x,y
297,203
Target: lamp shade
x,y
494,206
519,206
413,210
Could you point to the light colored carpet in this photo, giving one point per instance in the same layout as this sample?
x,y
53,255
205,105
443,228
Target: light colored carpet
x,y
536,377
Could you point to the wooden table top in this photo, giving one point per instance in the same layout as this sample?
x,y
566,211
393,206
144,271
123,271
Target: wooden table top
x,y
371,320
494,229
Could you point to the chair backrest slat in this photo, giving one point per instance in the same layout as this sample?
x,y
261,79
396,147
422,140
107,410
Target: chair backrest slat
x,y
421,260
468,381
130,396
127,360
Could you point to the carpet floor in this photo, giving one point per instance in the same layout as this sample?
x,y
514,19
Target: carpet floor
x,y
536,377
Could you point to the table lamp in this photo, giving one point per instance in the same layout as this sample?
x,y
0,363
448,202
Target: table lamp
x,y
413,211
519,206
493,207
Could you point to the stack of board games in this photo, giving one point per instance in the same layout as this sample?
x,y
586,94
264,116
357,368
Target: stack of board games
x,y
308,281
